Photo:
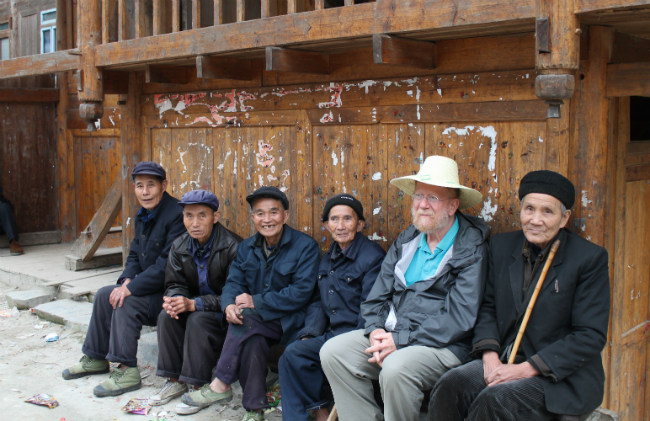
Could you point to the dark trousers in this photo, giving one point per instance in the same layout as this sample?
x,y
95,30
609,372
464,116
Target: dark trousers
x,y
245,357
301,378
188,347
462,394
8,222
113,334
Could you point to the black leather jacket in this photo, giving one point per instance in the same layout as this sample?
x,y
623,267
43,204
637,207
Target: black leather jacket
x,y
182,277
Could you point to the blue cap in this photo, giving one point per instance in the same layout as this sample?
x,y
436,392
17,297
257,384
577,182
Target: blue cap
x,y
268,192
200,197
149,168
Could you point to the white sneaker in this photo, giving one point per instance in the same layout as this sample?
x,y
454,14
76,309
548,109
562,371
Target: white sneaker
x,y
183,409
168,392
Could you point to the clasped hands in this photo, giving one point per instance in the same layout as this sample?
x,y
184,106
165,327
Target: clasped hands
x,y
177,305
495,372
234,311
381,346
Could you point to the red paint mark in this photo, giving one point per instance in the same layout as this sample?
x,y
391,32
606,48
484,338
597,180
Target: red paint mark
x,y
462,94
327,118
244,96
335,99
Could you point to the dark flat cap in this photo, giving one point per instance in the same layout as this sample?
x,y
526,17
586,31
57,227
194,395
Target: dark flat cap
x,y
200,197
343,199
551,183
149,168
268,192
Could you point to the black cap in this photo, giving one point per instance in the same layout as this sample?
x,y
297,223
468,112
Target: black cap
x,y
200,197
149,168
551,183
268,192
343,199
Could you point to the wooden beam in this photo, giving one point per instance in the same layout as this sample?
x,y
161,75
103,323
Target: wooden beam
x,y
223,68
584,6
296,61
91,238
637,173
29,95
40,64
396,51
363,20
167,74
116,83
629,49
628,79
196,14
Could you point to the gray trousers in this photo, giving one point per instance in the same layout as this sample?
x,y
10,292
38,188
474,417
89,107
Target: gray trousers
x,y
405,375
113,334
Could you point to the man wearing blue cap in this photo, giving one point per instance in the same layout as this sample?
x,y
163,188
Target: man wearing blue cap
x,y
265,298
192,326
120,311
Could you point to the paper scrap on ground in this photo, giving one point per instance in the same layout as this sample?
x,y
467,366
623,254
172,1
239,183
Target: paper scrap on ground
x,y
273,394
137,406
51,337
43,400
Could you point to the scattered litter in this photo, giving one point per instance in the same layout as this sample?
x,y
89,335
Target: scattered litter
x,y
43,400
137,406
40,326
15,390
10,313
51,337
273,395
25,336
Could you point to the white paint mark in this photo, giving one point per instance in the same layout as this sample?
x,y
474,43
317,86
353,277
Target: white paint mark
x,y
234,169
180,107
182,161
409,93
376,176
488,210
418,108
439,93
220,167
110,117
541,140
417,93
492,134
260,179
342,157
459,132
527,75
375,237
128,221
183,185
376,211
98,124
585,200
411,82
366,84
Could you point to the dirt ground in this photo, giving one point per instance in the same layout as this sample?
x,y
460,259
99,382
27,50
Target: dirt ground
x,y
29,366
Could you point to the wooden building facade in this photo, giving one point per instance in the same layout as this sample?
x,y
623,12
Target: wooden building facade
x,y
319,98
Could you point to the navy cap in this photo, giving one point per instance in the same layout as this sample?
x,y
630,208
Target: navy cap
x,y
200,197
268,192
343,199
149,168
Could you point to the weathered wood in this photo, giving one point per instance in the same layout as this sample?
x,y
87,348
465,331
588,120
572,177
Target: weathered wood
x,y
29,95
564,41
403,52
542,38
103,258
241,10
292,6
167,74
40,64
218,12
554,86
176,17
628,79
629,49
349,2
34,238
223,68
637,172
361,20
93,235
90,27
296,61
584,6
320,4
196,14
115,82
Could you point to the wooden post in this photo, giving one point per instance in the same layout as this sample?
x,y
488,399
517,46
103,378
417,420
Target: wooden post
x,y
196,14
266,9
176,16
130,140
90,25
218,12
292,7
349,2
241,10
563,34
320,4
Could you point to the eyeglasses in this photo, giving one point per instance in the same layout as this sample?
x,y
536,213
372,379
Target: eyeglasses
x,y
417,198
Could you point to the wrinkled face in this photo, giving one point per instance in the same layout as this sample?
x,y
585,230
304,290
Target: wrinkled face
x,y
541,218
269,216
343,223
428,215
148,190
199,221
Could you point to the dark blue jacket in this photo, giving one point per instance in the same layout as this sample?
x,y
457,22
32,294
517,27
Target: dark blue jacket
x,y
343,284
147,259
282,286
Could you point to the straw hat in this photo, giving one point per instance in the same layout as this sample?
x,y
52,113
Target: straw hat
x,y
442,172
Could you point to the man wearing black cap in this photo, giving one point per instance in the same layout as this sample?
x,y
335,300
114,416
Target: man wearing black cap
x,y
558,368
120,311
267,291
192,326
346,274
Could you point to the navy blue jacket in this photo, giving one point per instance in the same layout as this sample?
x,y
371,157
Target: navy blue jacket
x,y
282,285
343,284
147,259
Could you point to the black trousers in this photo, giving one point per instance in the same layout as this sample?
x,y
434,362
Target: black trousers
x,y
245,357
188,347
113,334
462,394
8,222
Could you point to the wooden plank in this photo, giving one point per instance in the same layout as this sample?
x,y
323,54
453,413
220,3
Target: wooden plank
x,y
564,42
349,2
265,8
362,20
637,172
403,52
34,238
638,147
29,95
115,82
167,74
628,79
584,6
196,14
176,17
39,64
223,68
320,4
241,10
630,49
292,6
104,258
296,61
218,12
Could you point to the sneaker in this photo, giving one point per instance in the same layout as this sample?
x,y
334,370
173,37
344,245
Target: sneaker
x,y
121,381
15,249
182,409
205,397
85,367
253,416
168,392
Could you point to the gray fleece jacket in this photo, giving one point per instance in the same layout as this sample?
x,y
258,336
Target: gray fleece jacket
x,y
439,311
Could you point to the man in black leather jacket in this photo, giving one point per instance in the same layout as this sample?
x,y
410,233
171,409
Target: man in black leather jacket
x,y
191,327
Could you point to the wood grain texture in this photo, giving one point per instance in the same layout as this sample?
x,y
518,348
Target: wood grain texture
x,y
29,95
563,39
403,52
295,61
40,64
584,6
223,68
628,79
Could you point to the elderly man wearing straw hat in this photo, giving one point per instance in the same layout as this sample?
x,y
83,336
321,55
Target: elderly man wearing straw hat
x,y
420,312
545,312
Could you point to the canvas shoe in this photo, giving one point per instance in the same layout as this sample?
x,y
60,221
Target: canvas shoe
x,y
120,381
253,416
168,392
85,367
204,397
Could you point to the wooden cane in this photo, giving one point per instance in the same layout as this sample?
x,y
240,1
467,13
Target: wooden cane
x,y
333,415
533,299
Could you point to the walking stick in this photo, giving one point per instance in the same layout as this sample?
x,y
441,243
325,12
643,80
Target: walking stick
x,y
533,299
333,415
